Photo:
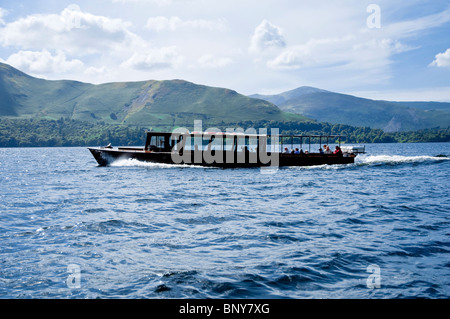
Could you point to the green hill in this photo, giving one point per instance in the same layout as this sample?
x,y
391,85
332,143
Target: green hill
x,y
325,106
147,103
167,104
37,112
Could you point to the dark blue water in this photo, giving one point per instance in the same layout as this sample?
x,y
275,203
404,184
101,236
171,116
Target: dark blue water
x,y
137,230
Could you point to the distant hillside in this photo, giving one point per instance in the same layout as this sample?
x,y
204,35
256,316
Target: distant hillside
x,y
282,98
445,106
167,104
146,103
325,106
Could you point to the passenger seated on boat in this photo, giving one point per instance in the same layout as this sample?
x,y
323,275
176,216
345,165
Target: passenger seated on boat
x,y
292,151
286,151
320,150
337,151
297,151
327,150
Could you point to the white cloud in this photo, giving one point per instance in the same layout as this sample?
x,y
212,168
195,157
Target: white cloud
x,y
314,52
209,61
410,28
103,41
358,59
336,47
155,59
43,62
366,59
266,36
292,58
161,23
442,59
72,30
97,71
323,44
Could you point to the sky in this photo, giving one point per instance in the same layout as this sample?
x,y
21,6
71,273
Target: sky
x,y
379,49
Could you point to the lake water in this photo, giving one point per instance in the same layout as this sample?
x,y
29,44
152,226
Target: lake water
x,y
378,228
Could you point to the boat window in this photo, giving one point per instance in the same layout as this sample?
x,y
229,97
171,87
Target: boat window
x,y
153,141
161,141
157,141
173,142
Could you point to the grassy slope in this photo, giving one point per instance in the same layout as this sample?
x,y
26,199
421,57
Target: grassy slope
x,y
346,109
184,101
172,103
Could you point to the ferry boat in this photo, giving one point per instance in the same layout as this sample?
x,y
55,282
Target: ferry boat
x,y
228,150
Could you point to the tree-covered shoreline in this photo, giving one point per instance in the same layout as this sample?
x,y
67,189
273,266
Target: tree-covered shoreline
x,y
63,132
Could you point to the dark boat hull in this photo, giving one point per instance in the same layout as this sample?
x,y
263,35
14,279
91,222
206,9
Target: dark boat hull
x,y
106,156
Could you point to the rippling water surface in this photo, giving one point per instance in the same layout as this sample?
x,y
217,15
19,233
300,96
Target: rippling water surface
x,y
138,230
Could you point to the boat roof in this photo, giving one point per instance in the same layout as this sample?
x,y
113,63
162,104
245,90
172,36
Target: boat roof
x,y
197,133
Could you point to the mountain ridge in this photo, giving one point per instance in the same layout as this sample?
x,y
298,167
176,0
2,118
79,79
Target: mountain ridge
x,y
337,108
165,103
171,103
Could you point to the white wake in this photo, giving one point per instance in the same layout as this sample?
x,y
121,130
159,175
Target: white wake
x,y
398,159
132,162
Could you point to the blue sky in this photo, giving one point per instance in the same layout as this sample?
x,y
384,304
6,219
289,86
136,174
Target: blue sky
x,y
393,50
